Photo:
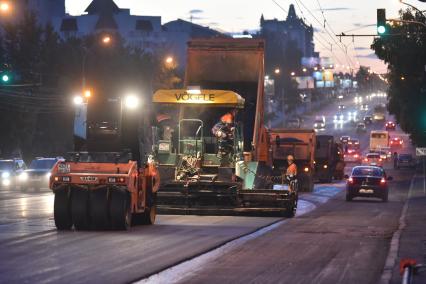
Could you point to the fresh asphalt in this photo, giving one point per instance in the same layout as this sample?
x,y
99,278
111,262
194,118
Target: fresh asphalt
x,y
332,242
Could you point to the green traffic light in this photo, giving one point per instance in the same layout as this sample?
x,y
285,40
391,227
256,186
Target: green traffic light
x,y
5,78
381,29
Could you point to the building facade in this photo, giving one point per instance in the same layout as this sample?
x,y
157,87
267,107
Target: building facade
x,y
291,29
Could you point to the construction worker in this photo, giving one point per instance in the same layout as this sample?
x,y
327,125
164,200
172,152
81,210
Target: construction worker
x,y
224,131
292,168
395,160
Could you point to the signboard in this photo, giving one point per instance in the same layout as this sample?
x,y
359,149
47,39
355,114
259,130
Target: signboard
x,y
420,151
305,82
207,97
327,62
80,119
310,62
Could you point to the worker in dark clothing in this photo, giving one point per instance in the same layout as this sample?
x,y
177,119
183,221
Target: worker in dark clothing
x,y
395,160
224,131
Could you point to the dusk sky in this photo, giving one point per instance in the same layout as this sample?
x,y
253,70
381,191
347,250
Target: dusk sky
x,y
238,15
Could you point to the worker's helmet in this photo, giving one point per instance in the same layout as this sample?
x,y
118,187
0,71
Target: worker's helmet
x,y
161,117
290,158
227,118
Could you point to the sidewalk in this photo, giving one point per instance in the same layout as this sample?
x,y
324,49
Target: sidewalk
x,y
412,243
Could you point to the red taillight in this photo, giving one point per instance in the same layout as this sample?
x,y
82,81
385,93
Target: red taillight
x,y
380,160
350,180
383,181
400,142
356,156
366,159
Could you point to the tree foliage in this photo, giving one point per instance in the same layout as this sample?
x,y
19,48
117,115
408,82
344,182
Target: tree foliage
x,y
36,116
404,50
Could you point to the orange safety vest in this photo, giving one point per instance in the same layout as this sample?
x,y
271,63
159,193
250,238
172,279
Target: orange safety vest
x,y
292,169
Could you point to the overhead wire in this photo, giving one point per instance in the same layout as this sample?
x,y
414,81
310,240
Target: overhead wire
x,y
332,36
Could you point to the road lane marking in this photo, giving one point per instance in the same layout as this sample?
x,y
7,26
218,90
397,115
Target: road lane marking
x,y
394,245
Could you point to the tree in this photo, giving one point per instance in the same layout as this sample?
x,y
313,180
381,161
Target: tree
x,y
404,50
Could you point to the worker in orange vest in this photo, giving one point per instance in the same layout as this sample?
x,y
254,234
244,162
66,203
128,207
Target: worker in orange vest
x,y
292,168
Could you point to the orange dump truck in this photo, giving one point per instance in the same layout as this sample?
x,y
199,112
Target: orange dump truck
x,y
301,144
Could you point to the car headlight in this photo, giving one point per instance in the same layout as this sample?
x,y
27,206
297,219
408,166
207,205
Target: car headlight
x,y
48,175
5,175
23,177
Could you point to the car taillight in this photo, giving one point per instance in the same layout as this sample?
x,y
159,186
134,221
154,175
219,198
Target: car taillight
x,y
383,181
64,179
350,180
306,169
356,156
400,142
380,159
366,159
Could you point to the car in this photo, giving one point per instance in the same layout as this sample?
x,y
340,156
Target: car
x,y
354,143
405,161
390,125
345,139
368,119
360,127
37,174
396,142
9,170
342,107
319,123
294,123
373,159
367,181
364,107
339,118
353,156
384,152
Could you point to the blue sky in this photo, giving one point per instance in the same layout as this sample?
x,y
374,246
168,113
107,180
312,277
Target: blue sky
x,y
239,15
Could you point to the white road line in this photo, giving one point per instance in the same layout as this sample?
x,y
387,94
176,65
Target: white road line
x,y
394,245
187,268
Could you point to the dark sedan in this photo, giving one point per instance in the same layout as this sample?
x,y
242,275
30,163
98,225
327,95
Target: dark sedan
x,y
367,181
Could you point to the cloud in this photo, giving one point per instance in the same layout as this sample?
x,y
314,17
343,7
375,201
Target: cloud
x,y
371,56
196,11
335,9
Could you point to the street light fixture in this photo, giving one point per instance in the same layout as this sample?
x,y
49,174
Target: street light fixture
x,y
304,69
87,93
292,73
4,7
277,71
106,39
169,60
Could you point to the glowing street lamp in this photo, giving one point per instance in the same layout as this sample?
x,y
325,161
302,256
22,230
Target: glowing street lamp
x,y
169,60
4,7
87,93
304,69
277,71
106,39
292,73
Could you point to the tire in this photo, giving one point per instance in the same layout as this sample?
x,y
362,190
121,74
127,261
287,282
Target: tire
x,y
119,210
148,217
80,209
99,213
62,209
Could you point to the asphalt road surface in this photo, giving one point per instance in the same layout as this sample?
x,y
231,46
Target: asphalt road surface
x,y
330,241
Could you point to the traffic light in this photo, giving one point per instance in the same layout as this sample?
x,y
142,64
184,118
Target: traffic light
x,y
5,77
381,21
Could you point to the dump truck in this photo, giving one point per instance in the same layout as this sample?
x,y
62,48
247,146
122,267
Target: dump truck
x,y
199,174
301,144
328,159
104,184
